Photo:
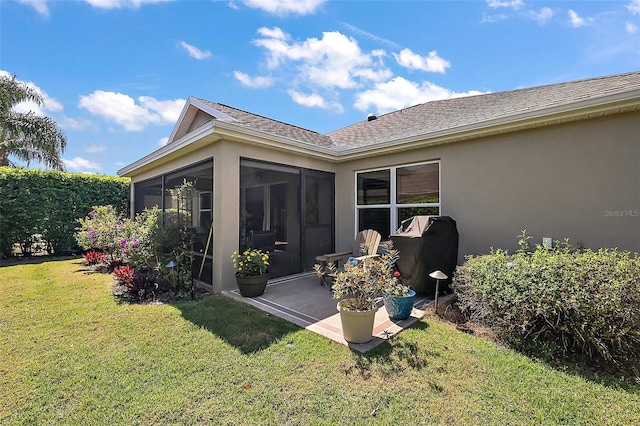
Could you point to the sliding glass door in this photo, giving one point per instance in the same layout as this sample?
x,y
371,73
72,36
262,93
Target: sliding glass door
x,y
287,211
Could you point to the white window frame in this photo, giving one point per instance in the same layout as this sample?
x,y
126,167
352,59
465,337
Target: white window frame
x,y
393,206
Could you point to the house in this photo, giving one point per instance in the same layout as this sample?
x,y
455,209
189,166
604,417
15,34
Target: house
x,y
560,160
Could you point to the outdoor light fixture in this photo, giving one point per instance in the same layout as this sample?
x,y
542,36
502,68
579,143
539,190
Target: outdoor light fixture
x,y
437,275
171,264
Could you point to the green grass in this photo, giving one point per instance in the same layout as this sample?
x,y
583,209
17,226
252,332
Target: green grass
x,y
71,354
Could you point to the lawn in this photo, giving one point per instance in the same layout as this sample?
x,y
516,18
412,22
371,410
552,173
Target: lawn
x,y
71,354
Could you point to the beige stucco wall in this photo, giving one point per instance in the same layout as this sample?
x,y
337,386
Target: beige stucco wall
x,y
579,180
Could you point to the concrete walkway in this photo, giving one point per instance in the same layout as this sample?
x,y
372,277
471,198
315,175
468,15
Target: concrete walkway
x,y
301,300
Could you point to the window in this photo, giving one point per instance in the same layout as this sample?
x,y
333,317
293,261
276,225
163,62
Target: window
x,y
386,197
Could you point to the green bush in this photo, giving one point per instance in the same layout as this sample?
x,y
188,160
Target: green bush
x,y
45,204
565,300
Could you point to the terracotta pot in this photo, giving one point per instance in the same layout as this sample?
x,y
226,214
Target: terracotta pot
x,y
252,286
357,326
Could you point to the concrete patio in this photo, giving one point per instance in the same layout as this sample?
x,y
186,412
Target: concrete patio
x,y
301,300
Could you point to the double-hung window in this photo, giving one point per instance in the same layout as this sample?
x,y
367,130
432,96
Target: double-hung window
x,y
386,197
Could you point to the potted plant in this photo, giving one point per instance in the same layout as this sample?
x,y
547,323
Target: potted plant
x,y
359,288
398,298
251,271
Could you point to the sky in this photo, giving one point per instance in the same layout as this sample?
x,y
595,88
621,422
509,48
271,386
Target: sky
x,y
115,74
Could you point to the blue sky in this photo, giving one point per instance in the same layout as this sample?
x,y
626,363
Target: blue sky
x,y
115,73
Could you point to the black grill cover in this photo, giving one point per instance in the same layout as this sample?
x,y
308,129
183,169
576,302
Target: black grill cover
x,y
427,244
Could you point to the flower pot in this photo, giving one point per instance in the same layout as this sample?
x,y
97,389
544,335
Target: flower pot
x,y
252,286
399,307
357,326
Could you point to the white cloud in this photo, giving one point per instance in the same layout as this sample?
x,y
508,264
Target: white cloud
x,y
163,141
285,7
514,4
399,93
543,15
40,6
334,61
95,149
430,63
630,27
255,82
133,116
194,52
634,7
490,19
274,32
169,111
312,100
73,124
81,164
117,4
576,21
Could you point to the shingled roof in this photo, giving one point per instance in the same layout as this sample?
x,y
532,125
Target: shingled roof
x,y
271,126
436,116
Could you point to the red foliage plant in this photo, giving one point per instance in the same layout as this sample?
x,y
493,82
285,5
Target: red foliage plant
x,y
94,257
125,274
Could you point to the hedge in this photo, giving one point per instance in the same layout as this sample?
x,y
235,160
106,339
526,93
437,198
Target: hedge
x,y
562,301
43,206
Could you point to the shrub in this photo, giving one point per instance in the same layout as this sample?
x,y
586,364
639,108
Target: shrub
x,y
103,229
158,238
47,203
147,244
568,301
133,285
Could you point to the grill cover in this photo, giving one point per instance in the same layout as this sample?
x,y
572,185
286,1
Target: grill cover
x,y
426,244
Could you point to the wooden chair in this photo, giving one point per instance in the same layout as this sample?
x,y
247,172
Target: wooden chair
x,y
364,245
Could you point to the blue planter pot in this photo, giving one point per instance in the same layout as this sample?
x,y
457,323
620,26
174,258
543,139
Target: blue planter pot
x,y
399,307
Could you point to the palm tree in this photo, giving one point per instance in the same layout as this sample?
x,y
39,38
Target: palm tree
x,y
27,136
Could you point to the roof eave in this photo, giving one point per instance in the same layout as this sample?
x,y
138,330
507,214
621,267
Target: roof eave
x,y
170,148
228,131
232,131
600,106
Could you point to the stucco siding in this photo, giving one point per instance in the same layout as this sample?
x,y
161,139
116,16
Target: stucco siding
x,y
579,180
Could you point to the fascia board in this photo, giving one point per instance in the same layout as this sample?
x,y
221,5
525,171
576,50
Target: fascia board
x,y
180,119
219,115
256,137
196,103
619,102
196,135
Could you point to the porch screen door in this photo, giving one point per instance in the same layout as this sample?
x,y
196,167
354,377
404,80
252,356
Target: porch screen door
x,y
318,207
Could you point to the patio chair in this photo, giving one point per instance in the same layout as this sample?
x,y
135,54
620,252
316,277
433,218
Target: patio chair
x,y
364,245
263,240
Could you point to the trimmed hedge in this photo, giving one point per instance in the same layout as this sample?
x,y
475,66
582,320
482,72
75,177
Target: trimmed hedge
x,y
559,302
43,206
